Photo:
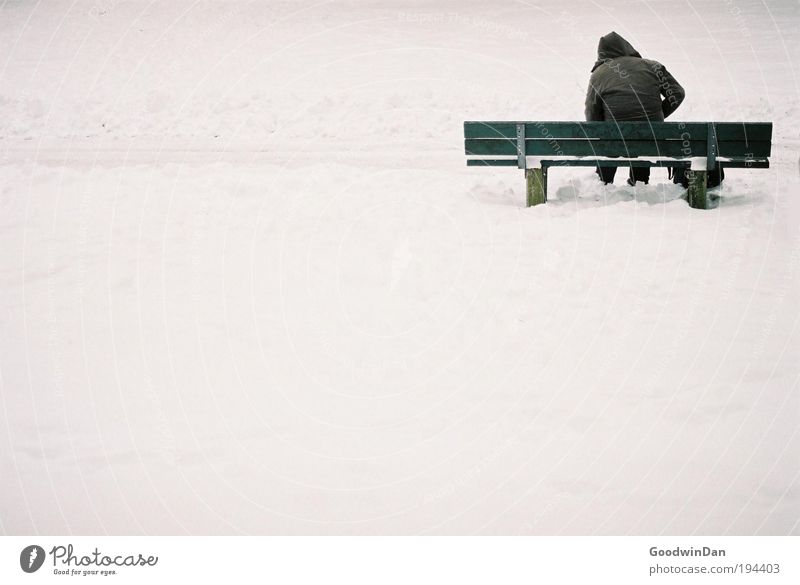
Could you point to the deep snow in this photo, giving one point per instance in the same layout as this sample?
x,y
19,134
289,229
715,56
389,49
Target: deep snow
x,y
248,284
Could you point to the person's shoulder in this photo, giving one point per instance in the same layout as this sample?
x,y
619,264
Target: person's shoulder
x,y
653,64
601,68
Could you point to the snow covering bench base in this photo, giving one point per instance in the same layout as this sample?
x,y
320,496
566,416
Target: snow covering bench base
x,y
536,146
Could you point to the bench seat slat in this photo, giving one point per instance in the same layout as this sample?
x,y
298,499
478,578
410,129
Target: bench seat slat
x,y
491,162
507,162
735,164
615,163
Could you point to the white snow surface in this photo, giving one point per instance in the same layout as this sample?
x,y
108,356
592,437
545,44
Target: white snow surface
x,y
248,285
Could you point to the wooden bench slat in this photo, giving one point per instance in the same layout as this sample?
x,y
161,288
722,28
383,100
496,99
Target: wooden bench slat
x,y
629,148
755,164
726,131
507,162
492,162
578,147
745,164
752,149
597,130
616,163
740,131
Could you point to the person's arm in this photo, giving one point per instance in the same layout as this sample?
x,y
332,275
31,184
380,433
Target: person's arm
x,y
671,90
594,105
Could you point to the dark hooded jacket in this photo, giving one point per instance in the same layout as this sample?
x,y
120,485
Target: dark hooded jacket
x,y
623,86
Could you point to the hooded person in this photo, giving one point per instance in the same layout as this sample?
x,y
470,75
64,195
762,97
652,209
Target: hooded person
x,y
626,87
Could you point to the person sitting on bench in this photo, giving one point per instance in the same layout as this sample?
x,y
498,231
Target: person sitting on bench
x,y
626,87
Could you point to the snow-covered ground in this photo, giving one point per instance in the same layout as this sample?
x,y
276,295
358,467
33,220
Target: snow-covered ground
x,y
247,283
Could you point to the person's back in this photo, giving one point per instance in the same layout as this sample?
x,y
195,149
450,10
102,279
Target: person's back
x,y
626,87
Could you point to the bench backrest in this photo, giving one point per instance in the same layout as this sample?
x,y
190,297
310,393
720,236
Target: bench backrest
x,y
733,141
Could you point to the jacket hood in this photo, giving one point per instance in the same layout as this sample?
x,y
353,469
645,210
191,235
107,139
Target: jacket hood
x,y
612,46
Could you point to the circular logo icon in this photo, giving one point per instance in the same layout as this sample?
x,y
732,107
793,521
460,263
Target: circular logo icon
x,y
31,558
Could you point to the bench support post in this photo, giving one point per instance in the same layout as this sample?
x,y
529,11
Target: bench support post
x,y
698,196
536,180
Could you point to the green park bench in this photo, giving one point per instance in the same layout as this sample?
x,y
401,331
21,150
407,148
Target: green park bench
x,y
536,146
